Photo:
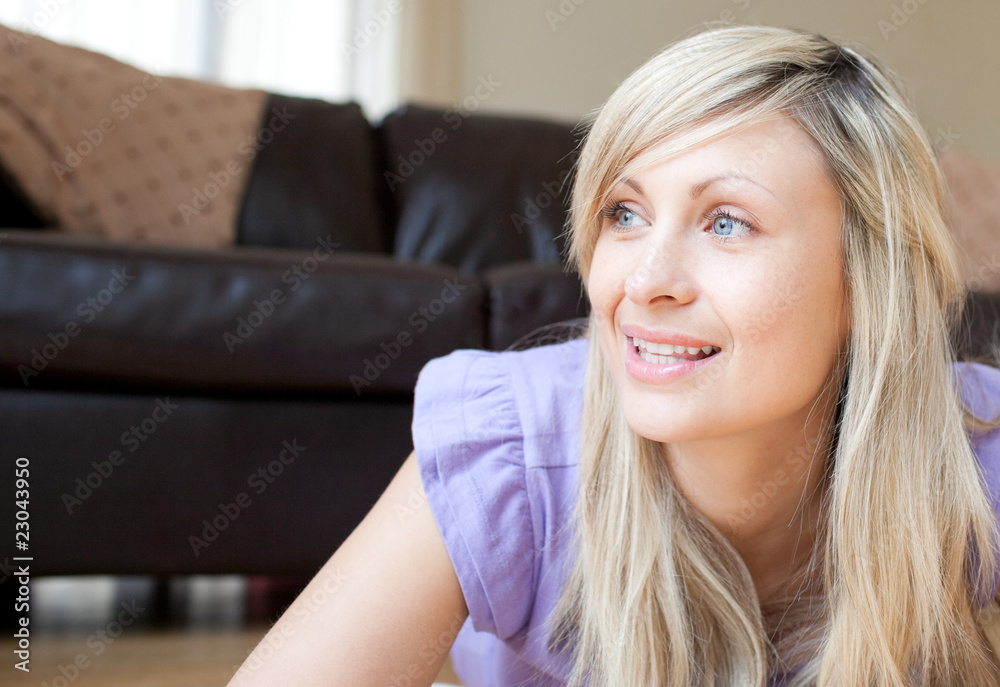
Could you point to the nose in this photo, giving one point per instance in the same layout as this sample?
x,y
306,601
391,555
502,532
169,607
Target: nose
x,y
662,274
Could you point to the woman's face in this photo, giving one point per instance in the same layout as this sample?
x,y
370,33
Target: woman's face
x,y
717,286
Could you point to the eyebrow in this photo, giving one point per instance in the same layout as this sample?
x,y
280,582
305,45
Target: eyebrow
x,y
634,185
702,186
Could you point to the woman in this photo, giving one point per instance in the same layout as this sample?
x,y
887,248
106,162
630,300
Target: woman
x,y
752,471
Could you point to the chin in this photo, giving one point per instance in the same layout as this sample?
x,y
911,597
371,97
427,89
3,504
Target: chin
x,y
665,424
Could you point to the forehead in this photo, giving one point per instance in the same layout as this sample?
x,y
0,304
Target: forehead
x,y
773,151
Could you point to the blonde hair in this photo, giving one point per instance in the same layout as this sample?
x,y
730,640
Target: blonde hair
x,y
896,591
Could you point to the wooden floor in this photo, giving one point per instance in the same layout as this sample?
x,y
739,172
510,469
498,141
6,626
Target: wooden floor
x,y
141,659
182,632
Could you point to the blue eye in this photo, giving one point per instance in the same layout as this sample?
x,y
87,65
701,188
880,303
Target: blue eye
x,y
627,218
621,217
726,227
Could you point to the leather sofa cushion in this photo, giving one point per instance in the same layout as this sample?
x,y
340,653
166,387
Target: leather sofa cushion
x,y
207,450
476,192
80,312
315,177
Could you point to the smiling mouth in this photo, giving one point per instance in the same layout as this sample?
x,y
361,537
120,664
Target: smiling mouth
x,y
668,354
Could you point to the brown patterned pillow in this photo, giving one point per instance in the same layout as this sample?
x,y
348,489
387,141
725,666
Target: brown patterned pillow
x,y
104,149
974,216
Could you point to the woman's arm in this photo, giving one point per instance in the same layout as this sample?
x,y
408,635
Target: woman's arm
x,y
384,610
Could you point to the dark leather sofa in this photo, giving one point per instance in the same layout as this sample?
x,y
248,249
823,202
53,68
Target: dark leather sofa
x,y
240,410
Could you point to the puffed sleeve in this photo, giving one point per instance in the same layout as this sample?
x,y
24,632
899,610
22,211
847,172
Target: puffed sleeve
x,y
979,386
469,443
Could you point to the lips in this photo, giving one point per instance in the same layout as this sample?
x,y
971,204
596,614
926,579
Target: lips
x,y
662,347
660,356
667,353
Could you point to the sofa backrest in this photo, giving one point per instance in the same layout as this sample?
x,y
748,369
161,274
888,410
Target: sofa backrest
x,y
317,178
476,191
465,190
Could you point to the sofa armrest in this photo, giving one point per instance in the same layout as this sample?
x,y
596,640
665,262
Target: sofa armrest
x,y
526,296
977,335
77,311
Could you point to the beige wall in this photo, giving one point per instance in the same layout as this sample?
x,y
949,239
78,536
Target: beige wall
x,y
560,59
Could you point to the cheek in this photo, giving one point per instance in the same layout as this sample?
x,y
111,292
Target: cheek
x,y
605,281
605,288
793,320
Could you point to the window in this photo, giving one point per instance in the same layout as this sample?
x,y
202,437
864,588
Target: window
x,y
297,47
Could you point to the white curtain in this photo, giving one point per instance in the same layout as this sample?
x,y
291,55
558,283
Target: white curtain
x,y
377,52
163,37
290,46
372,54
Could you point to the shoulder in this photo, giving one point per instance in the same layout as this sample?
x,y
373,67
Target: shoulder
x,y
497,442
533,368
528,396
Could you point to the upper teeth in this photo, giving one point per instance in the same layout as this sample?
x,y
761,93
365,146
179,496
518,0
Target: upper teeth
x,y
670,349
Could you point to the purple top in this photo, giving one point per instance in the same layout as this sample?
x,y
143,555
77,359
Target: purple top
x,y
497,441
